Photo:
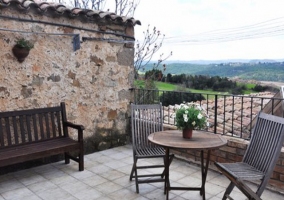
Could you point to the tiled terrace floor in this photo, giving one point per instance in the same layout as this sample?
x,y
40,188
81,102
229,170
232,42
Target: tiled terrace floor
x,y
106,176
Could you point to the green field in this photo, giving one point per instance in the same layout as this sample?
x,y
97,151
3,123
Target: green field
x,y
172,87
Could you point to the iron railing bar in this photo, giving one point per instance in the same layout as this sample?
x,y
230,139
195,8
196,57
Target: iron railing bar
x,y
215,115
224,115
233,112
245,113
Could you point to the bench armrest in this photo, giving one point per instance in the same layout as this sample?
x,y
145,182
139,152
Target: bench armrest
x,y
80,129
76,126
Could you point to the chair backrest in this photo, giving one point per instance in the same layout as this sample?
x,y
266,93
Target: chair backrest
x,y
266,143
145,119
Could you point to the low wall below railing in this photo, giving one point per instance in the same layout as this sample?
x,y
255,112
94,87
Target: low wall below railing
x,y
233,152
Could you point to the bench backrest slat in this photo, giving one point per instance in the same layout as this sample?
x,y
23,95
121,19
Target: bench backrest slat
x,y
29,131
18,127
15,130
46,126
53,124
41,126
8,130
1,134
58,117
22,130
35,127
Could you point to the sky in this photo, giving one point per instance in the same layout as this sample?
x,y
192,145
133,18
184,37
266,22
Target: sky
x,y
215,29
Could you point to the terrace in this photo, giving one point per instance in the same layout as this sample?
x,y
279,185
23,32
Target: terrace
x,y
106,173
106,176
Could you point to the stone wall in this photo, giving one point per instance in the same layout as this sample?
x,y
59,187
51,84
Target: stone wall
x,y
94,80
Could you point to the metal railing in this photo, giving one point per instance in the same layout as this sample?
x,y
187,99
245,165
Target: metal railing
x,y
232,115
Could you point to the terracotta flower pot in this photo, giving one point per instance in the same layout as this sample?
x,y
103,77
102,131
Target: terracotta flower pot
x,y
20,53
187,133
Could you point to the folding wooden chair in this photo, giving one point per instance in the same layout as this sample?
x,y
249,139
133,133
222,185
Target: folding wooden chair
x,y
146,119
259,159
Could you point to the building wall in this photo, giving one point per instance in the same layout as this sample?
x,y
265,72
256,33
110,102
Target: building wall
x,y
94,81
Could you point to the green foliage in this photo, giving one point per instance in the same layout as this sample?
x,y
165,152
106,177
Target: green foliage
x,y
150,85
248,71
154,74
260,88
23,43
172,98
250,85
165,86
139,84
191,116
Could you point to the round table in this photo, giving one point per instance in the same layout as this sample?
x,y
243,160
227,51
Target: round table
x,y
201,140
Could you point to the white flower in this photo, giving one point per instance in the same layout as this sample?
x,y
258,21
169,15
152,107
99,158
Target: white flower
x,y
185,119
184,115
193,123
199,116
198,107
186,111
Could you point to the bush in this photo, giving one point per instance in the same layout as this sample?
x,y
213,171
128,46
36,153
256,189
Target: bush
x,y
259,88
172,98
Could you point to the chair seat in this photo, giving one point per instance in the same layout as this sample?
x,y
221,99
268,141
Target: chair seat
x,y
148,152
241,171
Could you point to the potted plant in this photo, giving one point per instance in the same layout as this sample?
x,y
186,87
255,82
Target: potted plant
x,y
190,116
22,48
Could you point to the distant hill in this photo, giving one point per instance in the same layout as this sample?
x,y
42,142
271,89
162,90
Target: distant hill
x,y
207,62
260,70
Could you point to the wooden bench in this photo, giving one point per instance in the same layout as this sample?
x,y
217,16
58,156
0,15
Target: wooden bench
x,y
37,133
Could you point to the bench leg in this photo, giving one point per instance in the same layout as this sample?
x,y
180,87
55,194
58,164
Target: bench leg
x,y
67,159
81,161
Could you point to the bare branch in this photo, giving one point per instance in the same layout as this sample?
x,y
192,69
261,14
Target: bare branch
x,y
146,49
88,4
126,7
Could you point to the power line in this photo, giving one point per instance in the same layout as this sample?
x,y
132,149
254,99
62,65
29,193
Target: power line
x,y
269,28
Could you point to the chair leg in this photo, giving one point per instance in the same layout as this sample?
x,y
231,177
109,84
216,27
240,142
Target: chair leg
x,y
228,190
132,171
134,174
170,161
136,177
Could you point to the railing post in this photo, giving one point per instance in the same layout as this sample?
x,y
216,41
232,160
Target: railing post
x,y
224,115
215,114
233,112
242,115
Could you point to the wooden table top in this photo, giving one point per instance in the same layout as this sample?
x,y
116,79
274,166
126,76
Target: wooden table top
x,y
199,140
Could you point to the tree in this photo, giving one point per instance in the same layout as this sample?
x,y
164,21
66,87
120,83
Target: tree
x,y
172,98
126,7
154,74
145,50
121,7
89,4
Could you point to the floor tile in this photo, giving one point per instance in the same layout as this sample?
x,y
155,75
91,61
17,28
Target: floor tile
x,y
106,177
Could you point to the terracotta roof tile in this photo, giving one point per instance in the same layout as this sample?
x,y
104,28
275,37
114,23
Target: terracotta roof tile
x,y
61,9
241,115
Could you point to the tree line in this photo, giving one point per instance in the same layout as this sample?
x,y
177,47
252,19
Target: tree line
x,y
203,82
